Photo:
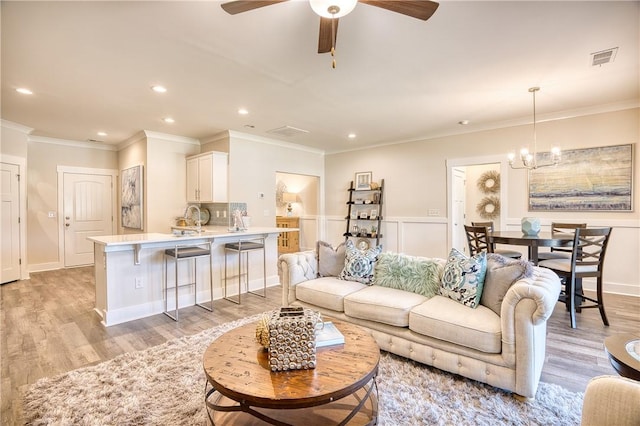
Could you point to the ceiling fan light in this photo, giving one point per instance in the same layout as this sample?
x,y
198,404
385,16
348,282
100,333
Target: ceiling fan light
x,y
333,8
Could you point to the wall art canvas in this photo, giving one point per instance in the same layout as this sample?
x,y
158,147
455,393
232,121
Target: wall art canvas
x,y
131,210
590,179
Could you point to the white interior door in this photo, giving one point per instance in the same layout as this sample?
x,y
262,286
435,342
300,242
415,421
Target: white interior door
x,y
10,223
87,212
459,193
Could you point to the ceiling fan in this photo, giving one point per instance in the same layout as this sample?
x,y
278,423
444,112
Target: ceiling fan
x,y
331,10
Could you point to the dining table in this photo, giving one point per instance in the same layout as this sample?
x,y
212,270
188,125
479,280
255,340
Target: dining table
x,y
532,242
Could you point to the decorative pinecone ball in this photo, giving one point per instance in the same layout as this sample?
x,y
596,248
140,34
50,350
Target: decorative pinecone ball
x,y
262,331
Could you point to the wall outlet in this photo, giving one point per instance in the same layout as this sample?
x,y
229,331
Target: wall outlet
x,y
139,283
51,214
434,212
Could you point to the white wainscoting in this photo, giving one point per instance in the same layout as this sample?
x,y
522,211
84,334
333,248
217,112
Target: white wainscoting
x,y
428,237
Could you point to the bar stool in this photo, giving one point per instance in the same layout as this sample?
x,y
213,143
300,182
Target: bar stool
x,y
192,253
245,247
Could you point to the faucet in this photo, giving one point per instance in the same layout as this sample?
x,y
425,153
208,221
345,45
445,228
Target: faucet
x,y
198,220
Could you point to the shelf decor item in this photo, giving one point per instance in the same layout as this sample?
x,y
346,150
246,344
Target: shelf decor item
x,y
530,226
363,180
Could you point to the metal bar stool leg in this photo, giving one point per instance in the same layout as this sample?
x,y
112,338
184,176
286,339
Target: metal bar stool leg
x,y
226,278
264,272
195,270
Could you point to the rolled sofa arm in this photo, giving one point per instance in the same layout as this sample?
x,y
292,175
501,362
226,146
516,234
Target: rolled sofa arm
x,y
294,268
543,288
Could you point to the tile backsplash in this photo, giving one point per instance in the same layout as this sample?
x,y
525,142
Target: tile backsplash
x,y
221,213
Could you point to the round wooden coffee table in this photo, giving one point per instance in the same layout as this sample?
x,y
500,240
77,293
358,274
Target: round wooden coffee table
x,y
241,389
623,354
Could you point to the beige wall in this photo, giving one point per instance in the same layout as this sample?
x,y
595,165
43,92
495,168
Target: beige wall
x,y
13,139
253,164
414,172
415,181
42,193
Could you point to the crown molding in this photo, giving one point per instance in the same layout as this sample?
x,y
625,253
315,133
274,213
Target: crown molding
x,y
15,126
275,142
77,144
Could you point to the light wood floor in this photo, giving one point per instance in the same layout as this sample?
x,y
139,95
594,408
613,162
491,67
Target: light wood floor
x,y
48,327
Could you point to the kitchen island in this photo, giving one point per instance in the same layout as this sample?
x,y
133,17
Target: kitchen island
x,y
129,269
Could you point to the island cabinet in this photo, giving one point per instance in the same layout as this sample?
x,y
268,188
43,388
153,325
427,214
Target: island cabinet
x,y
207,178
130,270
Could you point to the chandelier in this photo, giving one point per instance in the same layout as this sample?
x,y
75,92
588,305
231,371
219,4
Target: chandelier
x,y
529,159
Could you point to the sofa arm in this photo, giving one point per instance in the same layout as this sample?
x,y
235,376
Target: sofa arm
x,y
543,288
525,309
294,268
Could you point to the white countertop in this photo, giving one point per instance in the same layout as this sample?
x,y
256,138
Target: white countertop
x,y
208,232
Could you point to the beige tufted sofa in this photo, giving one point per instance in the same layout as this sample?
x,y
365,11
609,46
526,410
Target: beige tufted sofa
x,y
506,351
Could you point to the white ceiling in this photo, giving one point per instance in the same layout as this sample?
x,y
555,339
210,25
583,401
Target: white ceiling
x,y
91,64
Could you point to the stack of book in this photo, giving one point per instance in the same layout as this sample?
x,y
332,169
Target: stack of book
x,y
328,335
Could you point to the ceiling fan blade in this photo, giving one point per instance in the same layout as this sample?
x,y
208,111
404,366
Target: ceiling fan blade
x,y
328,34
239,6
420,9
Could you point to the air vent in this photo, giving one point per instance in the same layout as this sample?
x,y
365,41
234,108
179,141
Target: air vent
x,y
603,57
287,131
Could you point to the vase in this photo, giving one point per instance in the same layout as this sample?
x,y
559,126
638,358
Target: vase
x,y
530,226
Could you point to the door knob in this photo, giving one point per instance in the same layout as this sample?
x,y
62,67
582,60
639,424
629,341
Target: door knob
x,y
67,225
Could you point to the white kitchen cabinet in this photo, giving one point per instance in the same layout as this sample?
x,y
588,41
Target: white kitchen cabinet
x,y
207,178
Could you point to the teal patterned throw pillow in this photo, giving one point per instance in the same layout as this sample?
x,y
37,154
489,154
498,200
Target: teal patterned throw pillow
x,y
463,277
359,265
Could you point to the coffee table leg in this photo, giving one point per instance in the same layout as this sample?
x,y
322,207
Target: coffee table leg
x,y
211,402
368,396
212,397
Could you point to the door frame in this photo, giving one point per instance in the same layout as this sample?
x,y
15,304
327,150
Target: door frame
x,y
22,194
85,171
474,161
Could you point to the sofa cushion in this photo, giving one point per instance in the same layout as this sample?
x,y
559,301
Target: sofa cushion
x,y
327,292
359,265
464,277
445,319
502,272
382,304
415,274
330,260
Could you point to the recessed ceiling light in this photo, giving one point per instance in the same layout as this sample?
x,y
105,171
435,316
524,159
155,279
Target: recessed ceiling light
x,y
159,89
351,135
24,91
463,122
168,120
243,111
102,133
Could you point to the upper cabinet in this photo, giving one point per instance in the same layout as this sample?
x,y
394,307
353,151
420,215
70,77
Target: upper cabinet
x,y
207,178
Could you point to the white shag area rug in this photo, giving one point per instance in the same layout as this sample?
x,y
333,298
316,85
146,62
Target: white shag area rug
x,y
164,385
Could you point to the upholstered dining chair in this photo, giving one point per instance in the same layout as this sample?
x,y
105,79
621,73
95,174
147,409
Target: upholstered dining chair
x,y
587,260
504,252
560,252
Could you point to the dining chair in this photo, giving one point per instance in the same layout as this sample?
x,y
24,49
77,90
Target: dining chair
x,y
587,260
504,252
560,252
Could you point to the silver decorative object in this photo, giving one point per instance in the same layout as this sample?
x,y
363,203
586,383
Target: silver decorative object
x,y
292,343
